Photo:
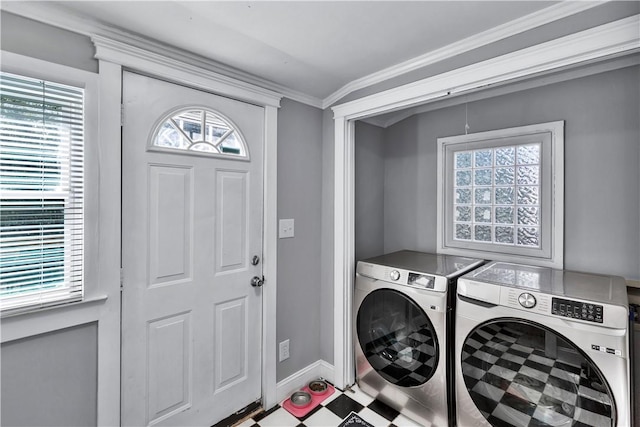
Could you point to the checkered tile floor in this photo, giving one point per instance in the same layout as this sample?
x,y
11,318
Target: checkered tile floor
x,y
332,411
513,383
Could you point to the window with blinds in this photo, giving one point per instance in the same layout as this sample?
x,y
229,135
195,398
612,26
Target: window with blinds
x,y
41,193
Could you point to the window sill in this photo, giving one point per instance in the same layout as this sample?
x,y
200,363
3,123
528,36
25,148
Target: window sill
x,y
499,256
28,323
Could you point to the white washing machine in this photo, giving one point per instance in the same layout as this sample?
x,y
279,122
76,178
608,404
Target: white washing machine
x,y
401,330
542,347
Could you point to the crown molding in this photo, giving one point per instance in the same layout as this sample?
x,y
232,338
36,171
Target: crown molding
x,y
50,14
147,61
557,76
511,28
598,43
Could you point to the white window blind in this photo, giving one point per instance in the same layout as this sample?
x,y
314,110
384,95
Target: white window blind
x,y
41,185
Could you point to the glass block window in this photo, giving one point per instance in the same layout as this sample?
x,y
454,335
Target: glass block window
x,y
496,195
501,194
199,131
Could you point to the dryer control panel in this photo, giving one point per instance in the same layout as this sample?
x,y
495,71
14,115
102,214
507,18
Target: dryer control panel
x,y
577,310
402,277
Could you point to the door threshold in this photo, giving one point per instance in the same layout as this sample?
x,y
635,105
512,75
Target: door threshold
x,y
240,416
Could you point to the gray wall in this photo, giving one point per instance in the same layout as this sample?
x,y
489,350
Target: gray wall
x,y
31,38
602,154
369,197
51,379
299,197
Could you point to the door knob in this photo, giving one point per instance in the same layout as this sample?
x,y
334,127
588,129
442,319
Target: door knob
x,y
256,282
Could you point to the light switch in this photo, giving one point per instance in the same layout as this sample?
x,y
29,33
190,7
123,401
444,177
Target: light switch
x,y
286,228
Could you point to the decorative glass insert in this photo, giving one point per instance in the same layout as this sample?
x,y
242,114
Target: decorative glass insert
x,y
202,131
496,195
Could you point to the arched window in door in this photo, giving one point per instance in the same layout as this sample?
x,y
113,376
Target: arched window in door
x,y
199,131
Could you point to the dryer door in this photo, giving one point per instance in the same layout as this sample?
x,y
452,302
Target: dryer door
x,y
397,338
521,373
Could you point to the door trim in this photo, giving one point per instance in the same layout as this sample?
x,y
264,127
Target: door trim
x,y
585,47
129,57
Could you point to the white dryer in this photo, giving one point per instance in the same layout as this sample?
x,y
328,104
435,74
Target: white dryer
x,y
542,347
401,323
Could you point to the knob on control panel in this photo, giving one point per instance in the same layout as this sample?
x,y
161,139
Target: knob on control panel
x,y
394,275
527,300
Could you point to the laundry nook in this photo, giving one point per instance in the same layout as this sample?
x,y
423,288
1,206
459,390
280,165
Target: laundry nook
x,y
320,213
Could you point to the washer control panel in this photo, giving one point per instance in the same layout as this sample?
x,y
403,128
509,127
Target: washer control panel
x,y
577,310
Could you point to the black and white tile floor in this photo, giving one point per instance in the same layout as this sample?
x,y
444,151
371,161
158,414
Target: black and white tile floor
x,y
332,411
511,383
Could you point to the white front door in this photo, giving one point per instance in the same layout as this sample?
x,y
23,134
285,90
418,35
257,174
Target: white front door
x,y
192,225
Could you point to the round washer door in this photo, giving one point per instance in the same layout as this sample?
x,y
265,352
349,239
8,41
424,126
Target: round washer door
x,y
520,373
397,338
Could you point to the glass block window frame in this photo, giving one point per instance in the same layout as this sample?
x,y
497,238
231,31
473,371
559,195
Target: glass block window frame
x,y
500,194
181,131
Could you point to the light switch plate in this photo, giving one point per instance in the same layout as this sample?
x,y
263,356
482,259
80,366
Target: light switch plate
x,y
284,350
286,228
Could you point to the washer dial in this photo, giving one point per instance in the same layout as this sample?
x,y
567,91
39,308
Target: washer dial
x,y
394,275
527,300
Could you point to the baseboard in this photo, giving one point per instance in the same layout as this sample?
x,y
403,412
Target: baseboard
x,y
327,371
297,380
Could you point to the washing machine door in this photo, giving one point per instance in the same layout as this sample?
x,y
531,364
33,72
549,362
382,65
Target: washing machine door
x,y
397,338
520,373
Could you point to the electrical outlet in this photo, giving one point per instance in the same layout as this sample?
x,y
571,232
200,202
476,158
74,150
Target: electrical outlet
x,y
284,350
285,229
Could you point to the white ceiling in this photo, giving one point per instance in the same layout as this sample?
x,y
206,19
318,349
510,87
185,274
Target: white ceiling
x,y
311,47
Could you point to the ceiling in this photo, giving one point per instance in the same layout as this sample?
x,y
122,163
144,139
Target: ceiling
x,y
314,48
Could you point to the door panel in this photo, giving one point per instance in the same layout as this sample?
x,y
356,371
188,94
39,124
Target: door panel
x,y
191,321
169,365
231,333
232,220
170,229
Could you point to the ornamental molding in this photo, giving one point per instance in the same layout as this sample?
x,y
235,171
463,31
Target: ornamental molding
x,y
620,37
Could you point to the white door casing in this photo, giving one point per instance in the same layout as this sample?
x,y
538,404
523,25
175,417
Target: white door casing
x,y
191,321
